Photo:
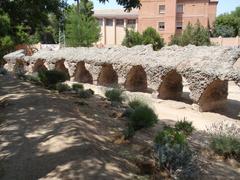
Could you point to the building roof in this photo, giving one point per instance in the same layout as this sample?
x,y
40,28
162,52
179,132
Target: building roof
x,y
116,13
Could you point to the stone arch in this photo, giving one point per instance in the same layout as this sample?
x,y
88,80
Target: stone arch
x,y
107,76
39,66
171,86
136,79
214,96
81,74
59,66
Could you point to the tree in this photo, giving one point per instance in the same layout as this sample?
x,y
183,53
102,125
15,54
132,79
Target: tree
x,y
6,41
81,30
151,36
132,38
224,31
228,24
195,35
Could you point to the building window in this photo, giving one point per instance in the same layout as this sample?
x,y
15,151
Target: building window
x,y
119,22
131,23
100,22
161,9
179,8
109,22
179,25
161,26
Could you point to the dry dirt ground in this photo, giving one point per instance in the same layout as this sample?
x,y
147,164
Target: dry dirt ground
x,y
45,135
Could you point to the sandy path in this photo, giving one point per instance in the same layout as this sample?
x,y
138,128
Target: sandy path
x,y
46,136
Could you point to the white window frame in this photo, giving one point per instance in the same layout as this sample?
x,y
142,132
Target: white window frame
x,y
162,11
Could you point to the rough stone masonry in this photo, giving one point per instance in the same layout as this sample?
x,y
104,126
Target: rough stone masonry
x,y
207,70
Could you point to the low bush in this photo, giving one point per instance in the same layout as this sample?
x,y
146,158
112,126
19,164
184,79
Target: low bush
x,y
3,71
50,78
143,117
185,127
85,93
225,140
114,95
60,87
172,150
136,103
77,87
226,146
129,132
33,79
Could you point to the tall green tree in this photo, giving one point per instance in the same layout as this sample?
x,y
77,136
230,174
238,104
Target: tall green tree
x,y
149,36
193,34
82,29
228,24
6,41
132,38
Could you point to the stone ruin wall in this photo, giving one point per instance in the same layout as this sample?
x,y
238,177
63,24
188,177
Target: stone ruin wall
x,y
207,70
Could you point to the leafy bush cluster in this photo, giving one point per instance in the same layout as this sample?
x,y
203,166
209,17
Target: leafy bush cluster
x,y
3,71
193,34
61,87
85,93
185,127
114,95
228,24
140,116
172,152
225,140
149,36
50,78
77,87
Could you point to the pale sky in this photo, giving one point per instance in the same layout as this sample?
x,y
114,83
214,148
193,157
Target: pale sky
x,y
223,5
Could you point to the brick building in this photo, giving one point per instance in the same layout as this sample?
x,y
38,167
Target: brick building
x,y
168,17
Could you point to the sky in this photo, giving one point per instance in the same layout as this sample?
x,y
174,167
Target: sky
x,y
223,5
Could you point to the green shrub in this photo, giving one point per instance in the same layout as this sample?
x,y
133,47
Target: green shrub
x,y
85,93
172,150
193,34
143,117
62,87
3,71
185,127
114,95
226,146
50,78
136,103
225,140
151,36
132,38
77,87
33,79
129,132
